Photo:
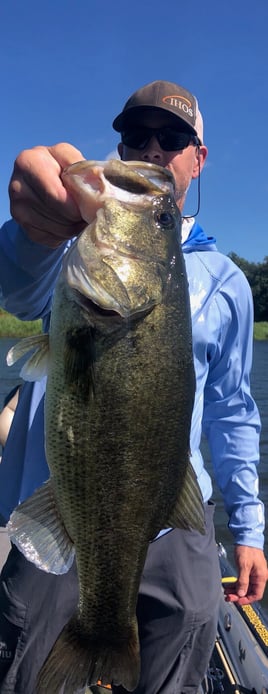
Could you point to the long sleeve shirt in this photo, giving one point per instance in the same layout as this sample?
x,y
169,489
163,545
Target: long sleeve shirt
x,y
224,410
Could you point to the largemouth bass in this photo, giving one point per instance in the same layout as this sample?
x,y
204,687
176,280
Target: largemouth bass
x,y
118,408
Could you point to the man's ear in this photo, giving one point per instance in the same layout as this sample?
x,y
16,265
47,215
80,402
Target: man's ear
x,y
201,155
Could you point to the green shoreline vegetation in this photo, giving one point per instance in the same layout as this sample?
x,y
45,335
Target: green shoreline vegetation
x,y
261,330
13,327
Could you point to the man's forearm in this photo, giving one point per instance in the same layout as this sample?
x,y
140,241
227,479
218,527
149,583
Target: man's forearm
x,y
28,272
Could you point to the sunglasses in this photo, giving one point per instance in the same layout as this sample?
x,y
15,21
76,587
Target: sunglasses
x,y
168,138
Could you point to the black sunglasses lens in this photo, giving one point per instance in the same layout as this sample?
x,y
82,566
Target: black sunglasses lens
x,y
173,140
136,138
168,138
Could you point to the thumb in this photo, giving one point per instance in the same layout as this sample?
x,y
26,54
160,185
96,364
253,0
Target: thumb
x,y
242,583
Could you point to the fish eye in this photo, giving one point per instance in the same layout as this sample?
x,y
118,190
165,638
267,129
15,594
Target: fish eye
x,y
165,219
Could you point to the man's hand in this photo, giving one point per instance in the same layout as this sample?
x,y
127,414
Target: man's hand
x,y
38,200
252,576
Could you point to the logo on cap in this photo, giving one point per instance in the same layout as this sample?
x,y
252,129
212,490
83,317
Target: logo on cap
x,y
179,102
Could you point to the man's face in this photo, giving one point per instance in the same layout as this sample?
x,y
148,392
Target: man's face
x,y
183,164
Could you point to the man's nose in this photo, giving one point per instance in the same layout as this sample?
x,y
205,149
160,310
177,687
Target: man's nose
x,y
153,152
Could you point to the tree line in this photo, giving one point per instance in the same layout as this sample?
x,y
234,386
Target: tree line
x,y
257,276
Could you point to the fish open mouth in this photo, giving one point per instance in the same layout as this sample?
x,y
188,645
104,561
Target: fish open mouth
x,y
93,182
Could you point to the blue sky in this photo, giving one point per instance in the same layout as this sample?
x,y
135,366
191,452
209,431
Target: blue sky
x,y
67,67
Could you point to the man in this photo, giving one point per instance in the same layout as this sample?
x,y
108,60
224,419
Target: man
x,y
180,586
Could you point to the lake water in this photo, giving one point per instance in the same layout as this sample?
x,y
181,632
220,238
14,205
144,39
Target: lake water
x,y
9,377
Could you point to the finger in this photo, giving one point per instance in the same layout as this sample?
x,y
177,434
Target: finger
x,y
256,588
255,591
52,238
247,600
242,583
230,594
65,154
28,199
37,179
39,202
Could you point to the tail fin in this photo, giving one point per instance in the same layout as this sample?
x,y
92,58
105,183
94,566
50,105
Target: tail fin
x,y
77,660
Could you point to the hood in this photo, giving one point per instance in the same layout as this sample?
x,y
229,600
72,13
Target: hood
x,y
198,240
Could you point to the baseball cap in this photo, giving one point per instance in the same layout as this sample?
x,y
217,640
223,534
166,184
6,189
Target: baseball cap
x,y
163,96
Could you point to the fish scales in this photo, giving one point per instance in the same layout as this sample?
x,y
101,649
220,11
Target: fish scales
x,y
118,408
120,435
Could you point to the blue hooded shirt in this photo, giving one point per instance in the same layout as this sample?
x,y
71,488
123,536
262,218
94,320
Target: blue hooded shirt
x,y
224,410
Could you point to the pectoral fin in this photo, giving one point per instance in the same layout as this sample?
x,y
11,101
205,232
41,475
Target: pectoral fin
x,y
37,365
36,528
189,508
79,358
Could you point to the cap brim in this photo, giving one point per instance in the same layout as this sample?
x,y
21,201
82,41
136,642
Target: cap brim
x,y
127,117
